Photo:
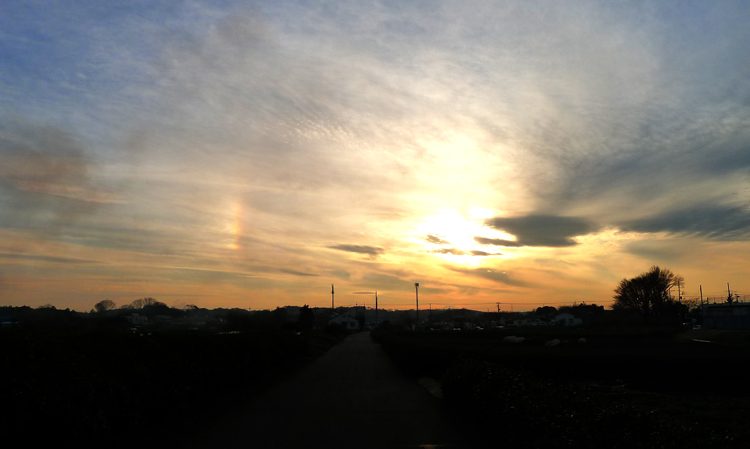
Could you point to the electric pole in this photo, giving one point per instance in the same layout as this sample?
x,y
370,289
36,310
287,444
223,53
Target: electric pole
x,y
332,306
376,306
416,289
498,307
729,294
701,289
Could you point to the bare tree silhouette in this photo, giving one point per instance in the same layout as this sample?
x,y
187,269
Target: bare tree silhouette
x,y
648,294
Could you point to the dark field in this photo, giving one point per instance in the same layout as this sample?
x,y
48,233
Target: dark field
x,y
115,388
157,376
621,388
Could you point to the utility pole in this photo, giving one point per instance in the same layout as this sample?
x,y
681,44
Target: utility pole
x,y
701,289
498,307
332,306
679,291
416,289
729,294
376,306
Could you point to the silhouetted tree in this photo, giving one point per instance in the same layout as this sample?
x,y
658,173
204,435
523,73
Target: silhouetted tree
x,y
583,310
648,294
104,305
280,315
144,302
137,304
306,318
238,320
546,311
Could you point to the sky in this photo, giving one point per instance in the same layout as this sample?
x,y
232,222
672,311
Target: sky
x,y
251,154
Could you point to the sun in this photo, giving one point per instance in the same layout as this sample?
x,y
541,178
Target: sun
x,y
451,235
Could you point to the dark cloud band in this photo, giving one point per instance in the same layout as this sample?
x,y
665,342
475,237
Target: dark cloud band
x,y
714,221
539,230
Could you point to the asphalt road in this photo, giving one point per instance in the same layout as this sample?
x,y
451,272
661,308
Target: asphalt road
x,y
351,397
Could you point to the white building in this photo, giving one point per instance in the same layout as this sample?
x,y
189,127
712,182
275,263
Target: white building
x,y
345,321
566,319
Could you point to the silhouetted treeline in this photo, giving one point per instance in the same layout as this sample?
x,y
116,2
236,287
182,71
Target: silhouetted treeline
x,y
150,314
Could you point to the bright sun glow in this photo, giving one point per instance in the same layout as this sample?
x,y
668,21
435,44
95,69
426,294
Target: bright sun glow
x,y
450,234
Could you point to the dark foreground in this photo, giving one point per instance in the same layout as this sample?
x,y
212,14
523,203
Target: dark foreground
x,y
352,397
79,387
92,382
629,389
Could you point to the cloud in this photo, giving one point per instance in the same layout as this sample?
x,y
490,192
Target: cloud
x,y
46,178
458,252
45,161
484,253
664,251
45,258
454,251
360,249
497,242
435,291
204,275
296,273
381,281
539,230
436,240
340,274
500,277
713,221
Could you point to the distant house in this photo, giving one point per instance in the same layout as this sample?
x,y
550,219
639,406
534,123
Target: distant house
x,y
345,321
566,319
727,316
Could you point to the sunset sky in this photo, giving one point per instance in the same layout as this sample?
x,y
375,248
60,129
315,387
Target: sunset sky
x,y
249,154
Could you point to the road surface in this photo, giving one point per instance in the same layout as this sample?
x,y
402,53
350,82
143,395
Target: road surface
x,y
351,397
